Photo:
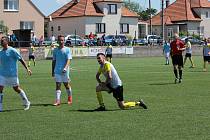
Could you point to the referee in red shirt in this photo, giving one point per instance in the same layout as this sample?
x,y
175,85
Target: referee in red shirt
x,y
177,47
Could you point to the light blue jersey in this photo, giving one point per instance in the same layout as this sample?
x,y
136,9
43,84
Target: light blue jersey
x,y
166,48
8,62
61,56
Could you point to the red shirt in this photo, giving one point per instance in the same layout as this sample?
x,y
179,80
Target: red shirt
x,y
175,45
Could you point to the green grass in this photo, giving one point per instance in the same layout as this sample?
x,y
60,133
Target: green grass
x,y
176,111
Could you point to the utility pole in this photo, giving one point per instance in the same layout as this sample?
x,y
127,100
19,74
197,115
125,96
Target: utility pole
x,y
150,21
162,20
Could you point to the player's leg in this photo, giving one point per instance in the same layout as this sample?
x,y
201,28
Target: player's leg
x,y
185,59
99,88
29,61
191,61
1,98
23,96
34,61
68,91
58,94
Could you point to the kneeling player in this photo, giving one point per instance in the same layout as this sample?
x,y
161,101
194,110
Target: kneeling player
x,y
112,84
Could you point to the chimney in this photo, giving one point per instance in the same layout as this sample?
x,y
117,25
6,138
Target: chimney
x,y
167,3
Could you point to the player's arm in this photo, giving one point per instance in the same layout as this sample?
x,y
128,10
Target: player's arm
x,y
53,67
67,65
98,77
25,66
182,46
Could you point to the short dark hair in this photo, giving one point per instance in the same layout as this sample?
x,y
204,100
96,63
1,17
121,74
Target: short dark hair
x,y
59,36
100,54
5,38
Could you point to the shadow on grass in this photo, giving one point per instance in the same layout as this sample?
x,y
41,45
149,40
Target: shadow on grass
x,y
83,110
159,84
45,105
12,110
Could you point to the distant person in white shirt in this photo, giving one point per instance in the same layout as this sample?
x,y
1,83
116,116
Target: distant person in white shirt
x,y
188,54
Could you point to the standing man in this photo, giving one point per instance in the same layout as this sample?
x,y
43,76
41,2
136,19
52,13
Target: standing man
x,y
111,84
31,55
166,51
60,70
188,53
177,47
108,53
206,54
9,73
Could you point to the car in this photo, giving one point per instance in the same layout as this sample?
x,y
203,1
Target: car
x,y
72,40
192,40
116,40
151,39
140,41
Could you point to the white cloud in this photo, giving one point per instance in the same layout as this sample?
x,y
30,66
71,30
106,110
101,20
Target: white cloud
x,y
62,1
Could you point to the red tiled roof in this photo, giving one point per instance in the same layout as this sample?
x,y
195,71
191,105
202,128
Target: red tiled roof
x,y
127,13
178,11
86,8
200,3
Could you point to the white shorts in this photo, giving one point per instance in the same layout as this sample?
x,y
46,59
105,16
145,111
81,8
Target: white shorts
x,y
9,81
63,78
167,54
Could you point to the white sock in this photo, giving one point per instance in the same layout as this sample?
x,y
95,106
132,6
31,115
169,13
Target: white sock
x,y
69,92
58,95
24,97
1,100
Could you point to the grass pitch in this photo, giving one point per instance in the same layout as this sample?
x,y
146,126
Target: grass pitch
x,y
176,111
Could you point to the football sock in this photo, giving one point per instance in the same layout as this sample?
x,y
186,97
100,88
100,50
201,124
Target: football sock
x,y
1,100
24,97
129,104
175,73
180,74
58,95
100,98
69,92
29,63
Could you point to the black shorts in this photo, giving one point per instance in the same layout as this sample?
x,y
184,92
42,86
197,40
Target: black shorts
x,y
188,55
109,55
206,58
177,60
31,57
117,92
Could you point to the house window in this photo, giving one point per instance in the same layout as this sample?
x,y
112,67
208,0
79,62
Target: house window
x,y
200,30
207,14
27,25
11,5
59,28
170,32
124,28
112,9
100,28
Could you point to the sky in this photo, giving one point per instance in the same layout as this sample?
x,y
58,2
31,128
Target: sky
x,y
49,6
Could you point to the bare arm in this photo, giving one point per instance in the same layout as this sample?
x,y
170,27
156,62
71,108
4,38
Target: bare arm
x,y
25,66
67,65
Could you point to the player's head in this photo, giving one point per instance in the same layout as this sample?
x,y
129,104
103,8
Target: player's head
x,y
4,41
101,58
176,36
61,40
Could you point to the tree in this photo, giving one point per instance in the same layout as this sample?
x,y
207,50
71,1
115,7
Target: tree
x,y
135,7
3,28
